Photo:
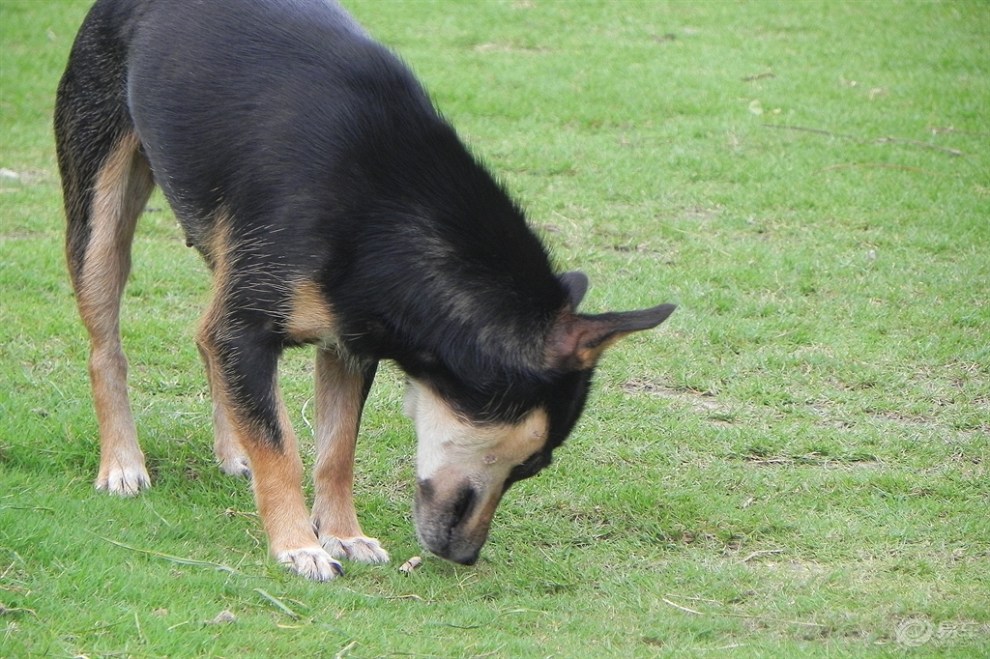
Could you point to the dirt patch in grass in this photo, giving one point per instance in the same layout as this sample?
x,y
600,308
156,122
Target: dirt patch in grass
x,y
812,459
701,402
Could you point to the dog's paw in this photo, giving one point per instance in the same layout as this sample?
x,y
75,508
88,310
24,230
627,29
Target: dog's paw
x,y
311,562
124,481
236,466
359,549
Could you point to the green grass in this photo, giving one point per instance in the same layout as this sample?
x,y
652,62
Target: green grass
x,y
794,464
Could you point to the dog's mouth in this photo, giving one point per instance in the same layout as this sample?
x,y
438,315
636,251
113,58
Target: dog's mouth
x,y
453,521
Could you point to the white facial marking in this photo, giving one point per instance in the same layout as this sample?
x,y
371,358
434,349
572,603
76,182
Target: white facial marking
x,y
483,454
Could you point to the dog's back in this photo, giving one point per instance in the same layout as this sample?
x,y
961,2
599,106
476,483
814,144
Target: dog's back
x,y
268,97
289,122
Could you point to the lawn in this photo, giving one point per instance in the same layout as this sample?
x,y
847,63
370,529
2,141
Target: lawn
x,y
796,463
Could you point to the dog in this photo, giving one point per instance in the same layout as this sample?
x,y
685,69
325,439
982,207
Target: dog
x,y
337,208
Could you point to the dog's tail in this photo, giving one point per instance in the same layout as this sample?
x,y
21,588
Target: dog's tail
x,y
106,179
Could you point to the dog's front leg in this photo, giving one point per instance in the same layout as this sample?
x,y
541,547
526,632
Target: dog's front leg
x,y
341,389
243,381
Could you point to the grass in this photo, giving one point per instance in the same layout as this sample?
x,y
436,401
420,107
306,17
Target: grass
x,y
796,463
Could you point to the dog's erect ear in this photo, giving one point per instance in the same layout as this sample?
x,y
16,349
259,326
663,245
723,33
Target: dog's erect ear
x,y
576,284
578,341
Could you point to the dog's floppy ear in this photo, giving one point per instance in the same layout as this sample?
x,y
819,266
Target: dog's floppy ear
x,y
578,340
576,284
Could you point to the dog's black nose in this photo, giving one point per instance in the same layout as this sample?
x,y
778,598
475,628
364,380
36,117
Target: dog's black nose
x,y
463,505
466,559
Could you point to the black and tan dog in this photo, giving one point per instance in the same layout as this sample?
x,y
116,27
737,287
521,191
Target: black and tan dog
x,y
335,207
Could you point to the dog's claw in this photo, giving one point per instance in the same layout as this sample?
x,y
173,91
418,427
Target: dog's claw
x,y
359,549
237,467
124,481
311,562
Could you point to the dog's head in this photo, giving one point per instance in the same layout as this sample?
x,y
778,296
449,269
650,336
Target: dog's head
x,y
464,465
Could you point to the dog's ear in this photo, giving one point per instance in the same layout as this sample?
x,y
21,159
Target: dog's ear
x,y
576,285
578,340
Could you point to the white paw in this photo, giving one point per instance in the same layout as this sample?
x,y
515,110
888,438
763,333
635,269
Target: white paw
x,y
236,466
124,481
311,562
360,549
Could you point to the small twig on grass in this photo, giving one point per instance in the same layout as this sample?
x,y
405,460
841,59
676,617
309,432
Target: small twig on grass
x,y
140,632
302,413
769,461
174,559
782,621
39,509
389,598
874,165
695,599
759,76
816,131
921,145
762,552
14,610
937,130
956,153
682,608
231,512
344,650
277,603
741,615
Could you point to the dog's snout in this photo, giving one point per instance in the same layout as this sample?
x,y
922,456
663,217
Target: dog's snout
x,y
452,519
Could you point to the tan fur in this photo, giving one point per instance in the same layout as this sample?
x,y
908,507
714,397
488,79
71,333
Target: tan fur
x,y
338,404
338,409
577,342
277,479
120,193
310,318
446,438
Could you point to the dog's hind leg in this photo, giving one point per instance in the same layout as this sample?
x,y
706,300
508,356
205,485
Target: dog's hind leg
x,y
106,182
341,389
120,191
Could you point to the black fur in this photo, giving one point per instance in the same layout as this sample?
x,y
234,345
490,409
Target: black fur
x,y
350,177
280,131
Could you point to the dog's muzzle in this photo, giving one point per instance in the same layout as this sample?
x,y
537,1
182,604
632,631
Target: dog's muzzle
x,y
452,520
